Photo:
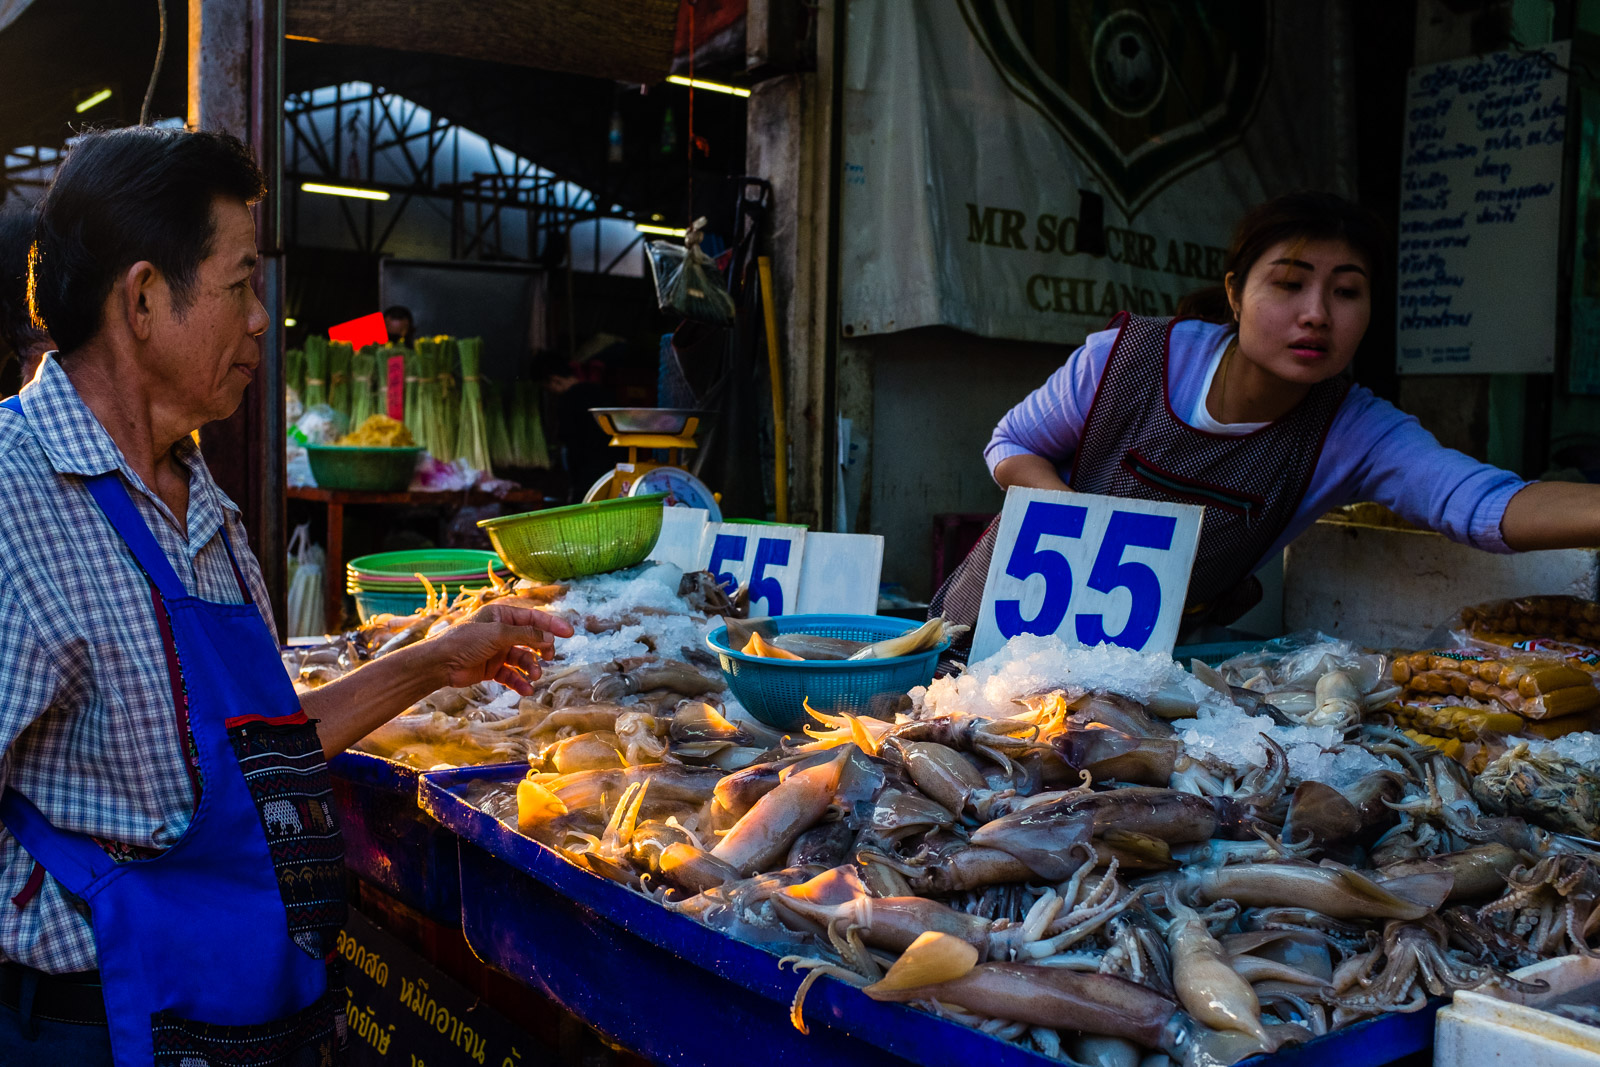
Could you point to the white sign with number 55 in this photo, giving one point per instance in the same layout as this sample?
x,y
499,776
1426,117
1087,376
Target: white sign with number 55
x,y
1088,569
766,558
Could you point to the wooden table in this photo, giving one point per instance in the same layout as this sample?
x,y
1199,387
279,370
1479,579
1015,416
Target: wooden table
x,y
339,499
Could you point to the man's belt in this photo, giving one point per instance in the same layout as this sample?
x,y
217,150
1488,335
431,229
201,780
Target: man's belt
x,y
60,998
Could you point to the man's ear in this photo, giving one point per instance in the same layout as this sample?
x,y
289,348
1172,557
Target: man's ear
x,y
141,292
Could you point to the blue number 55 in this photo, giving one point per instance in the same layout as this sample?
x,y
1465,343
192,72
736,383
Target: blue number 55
x,y
1028,559
1128,530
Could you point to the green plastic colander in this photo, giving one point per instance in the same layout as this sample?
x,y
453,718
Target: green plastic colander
x,y
578,540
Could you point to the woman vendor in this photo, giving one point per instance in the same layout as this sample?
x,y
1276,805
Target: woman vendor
x,y
1256,419
171,876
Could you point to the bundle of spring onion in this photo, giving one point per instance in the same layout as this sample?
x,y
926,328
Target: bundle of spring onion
x,y
340,355
472,436
413,401
316,391
294,371
448,409
527,426
431,427
363,386
494,414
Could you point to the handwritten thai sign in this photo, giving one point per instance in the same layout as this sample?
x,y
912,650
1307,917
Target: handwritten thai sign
x,y
1480,208
402,1010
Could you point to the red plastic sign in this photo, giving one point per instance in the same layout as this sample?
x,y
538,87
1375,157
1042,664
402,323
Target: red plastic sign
x,y
367,330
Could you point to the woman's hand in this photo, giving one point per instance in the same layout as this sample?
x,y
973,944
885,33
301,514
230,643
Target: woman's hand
x,y
502,642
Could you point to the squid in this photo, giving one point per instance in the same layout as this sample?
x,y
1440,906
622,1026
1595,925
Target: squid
x,y
767,830
1331,889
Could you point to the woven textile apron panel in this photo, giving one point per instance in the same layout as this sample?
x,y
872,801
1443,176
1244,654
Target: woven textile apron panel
x,y
1134,446
219,951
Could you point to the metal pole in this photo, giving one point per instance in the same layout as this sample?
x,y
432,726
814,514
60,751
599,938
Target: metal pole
x,y
266,128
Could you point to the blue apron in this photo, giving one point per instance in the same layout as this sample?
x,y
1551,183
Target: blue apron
x,y
218,951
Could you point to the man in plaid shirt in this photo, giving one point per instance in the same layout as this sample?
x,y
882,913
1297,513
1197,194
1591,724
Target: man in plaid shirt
x,y
142,273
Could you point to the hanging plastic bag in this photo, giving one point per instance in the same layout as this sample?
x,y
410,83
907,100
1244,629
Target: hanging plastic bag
x,y
688,282
306,564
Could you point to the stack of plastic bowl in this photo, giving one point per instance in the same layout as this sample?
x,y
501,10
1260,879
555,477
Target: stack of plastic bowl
x,y
388,583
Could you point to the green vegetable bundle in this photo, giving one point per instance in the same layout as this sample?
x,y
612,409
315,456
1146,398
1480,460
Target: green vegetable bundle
x,y
527,427
472,435
340,356
294,372
449,403
316,391
364,401
432,426
412,415
494,414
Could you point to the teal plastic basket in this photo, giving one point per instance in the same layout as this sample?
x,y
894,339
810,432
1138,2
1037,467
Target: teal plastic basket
x,y
776,690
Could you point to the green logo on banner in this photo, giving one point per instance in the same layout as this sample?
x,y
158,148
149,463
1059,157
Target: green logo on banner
x,y
1142,91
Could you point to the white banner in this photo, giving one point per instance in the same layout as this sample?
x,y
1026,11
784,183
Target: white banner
x,y
1027,168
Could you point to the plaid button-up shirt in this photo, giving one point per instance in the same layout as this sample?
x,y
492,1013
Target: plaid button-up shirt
x,y
88,729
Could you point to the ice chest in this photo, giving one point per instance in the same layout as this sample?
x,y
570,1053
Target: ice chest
x,y
666,987
1510,1029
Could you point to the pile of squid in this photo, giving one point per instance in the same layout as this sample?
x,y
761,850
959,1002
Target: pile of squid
x,y
1071,877
636,652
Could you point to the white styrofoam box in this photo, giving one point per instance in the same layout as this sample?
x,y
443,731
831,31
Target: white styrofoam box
x,y
1390,588
1505,1028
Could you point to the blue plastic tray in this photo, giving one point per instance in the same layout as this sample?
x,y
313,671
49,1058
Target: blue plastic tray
x,y
390,841
670,989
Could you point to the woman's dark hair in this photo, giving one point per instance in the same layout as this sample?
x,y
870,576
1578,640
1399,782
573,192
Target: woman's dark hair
x,y
127,195
17,331
1306,216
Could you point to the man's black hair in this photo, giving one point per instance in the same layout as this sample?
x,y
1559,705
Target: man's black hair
x,y
397,311
17,331
122,196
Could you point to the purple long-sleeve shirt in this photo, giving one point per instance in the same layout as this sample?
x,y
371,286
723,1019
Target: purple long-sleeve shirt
x,y
1373,451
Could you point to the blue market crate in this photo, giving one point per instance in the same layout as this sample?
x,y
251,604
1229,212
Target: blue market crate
x,y
390,841
646,978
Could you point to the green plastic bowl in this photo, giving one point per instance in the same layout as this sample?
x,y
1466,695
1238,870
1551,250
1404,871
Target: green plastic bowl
x,y
383,470
446,563
578,540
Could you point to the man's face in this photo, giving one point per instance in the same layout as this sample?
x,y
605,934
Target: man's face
x,y
398,329
204,357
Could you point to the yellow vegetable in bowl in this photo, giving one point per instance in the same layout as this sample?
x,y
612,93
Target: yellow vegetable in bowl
x,y
379,431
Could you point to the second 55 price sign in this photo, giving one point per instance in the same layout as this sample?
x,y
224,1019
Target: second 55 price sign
x,y
765,558
1088,569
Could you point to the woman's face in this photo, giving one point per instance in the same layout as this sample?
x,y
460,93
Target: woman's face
x,y
1303,309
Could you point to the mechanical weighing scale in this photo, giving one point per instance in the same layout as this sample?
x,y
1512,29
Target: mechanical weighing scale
x,y
672,429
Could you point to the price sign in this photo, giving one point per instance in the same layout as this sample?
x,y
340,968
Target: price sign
x,y
841,574
766,558
395,388
1088,569
679,543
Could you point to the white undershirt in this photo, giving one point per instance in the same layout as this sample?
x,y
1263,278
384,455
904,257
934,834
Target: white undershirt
x,y
1200,418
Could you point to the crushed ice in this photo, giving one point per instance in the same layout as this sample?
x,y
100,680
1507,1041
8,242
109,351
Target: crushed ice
x,y
1029,665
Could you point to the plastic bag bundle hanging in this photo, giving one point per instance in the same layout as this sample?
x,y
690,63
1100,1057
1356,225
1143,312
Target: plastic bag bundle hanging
x,y
306,562
688,282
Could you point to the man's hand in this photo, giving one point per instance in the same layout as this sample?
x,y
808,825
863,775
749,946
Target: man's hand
x,y
502,641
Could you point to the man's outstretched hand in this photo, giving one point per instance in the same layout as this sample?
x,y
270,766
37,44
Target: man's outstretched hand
x,y
503,642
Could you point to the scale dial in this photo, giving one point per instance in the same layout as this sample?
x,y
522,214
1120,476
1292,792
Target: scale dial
x,y
682,488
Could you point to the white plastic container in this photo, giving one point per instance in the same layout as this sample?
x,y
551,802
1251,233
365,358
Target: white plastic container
x,y
1504,1028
